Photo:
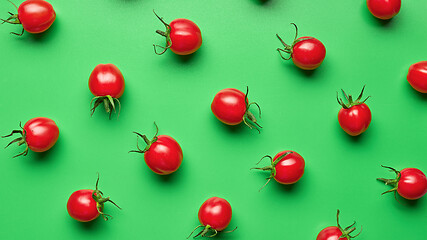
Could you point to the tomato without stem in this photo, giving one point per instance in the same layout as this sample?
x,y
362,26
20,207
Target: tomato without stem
x,y
163,155
307,53
214,216
384,9
417,76
36,16
410,183
337,232
355,116
38,134
107,84
287,167
231,106
183,36
86,205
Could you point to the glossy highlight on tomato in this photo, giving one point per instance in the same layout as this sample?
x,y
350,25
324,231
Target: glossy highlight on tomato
x,y
417,76
355,116
384,9
35,16
214,216
231,106
107,84
38,134
86,205
163,155
337,232
307,53
287,167
410,183
183,36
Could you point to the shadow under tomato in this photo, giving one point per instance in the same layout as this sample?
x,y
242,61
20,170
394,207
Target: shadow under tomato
x,y
262,2
414,92
185,59
372,19
87,226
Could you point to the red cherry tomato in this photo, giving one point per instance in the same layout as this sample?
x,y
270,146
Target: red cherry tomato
x,y
287,167
231,107
38,134
214,215
417,76
384,9
183,36
163,155
337,233
106,82
307,53
354,117
410,183
86,205
36,16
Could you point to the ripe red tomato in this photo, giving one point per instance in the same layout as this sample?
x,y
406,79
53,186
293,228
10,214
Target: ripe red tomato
x,y
287,167
183,36
38,134
355,116
337,232
384,9
36,16
86,205
163,155
231,107
417,76
106,82
410,183
214,215
307,53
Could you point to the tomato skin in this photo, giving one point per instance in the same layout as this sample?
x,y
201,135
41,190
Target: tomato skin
x,y
185,36
36,16
412,183
229,106
106,79
164,156
417,76
290,169
41,134
355,120
330,233
308,54
81,206
384,9
215,212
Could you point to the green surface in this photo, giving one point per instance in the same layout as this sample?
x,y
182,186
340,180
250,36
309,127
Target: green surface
x,y
47,76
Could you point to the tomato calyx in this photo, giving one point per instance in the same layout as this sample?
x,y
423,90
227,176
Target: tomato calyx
x,y
20,140
346,231
272,167
289,48
392,182
165,34
100,200
13,19
252,123
109,105
206,230
350,100
146,140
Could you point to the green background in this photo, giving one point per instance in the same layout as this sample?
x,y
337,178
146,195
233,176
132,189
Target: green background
x,y
46,75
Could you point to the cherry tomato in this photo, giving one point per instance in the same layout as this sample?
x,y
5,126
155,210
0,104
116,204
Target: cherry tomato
x,y
106,82
163,155
287,167
38,134
417,76
214,215
231,107
36,16
183,36
355,116
307,53
410,183
86,205
384,9
337,232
